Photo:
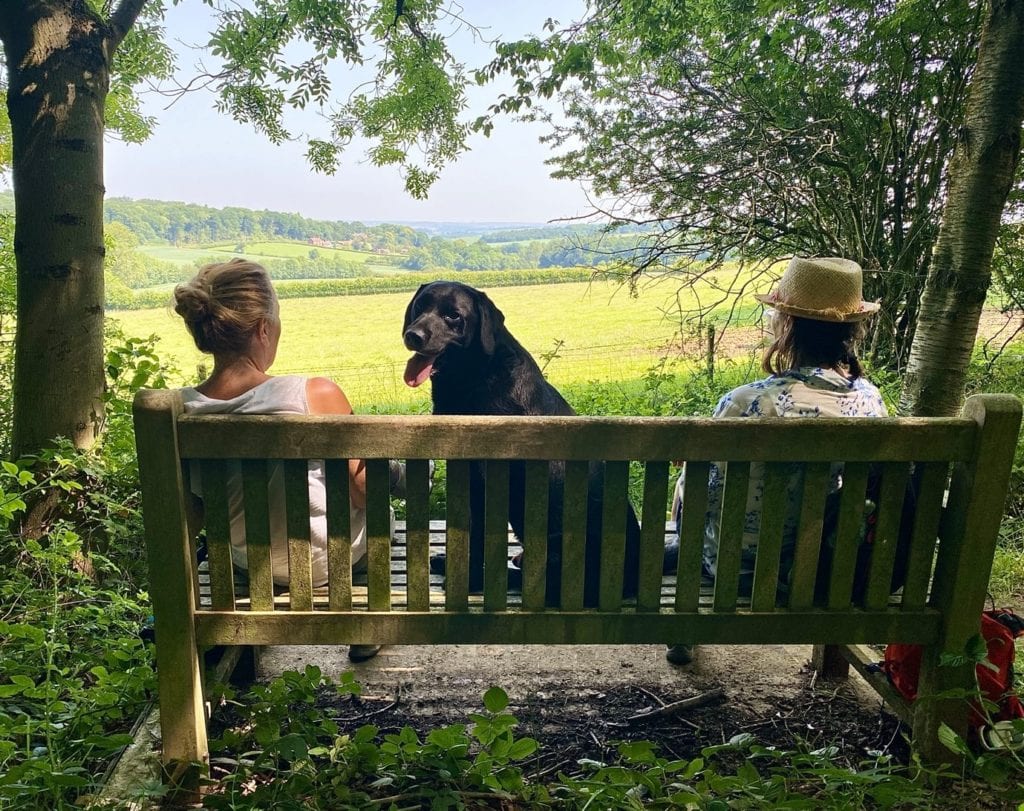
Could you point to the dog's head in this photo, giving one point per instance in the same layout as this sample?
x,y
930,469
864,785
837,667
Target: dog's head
x,y
446,315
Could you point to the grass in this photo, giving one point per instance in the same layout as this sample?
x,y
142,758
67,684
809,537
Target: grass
x,y
580,332
179,256
256,251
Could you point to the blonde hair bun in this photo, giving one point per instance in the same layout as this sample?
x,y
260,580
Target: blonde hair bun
x,y
224,304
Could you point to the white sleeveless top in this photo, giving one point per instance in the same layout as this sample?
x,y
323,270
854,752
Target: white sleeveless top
x,y
278,395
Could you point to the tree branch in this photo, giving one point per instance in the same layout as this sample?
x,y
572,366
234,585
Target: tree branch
x,y
123,19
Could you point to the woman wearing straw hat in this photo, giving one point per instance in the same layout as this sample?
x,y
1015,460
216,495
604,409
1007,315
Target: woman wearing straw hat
x,y
818,316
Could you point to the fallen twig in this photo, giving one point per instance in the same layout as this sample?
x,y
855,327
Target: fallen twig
x,y
699,700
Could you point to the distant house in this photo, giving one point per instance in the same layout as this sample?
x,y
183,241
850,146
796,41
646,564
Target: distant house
x,y
320,242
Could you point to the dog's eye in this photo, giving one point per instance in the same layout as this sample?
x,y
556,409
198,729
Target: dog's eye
x,y
452,319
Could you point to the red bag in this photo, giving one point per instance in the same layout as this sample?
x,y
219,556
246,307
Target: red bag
x,y
902,664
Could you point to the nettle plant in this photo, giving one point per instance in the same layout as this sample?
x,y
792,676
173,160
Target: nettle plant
x,y
285,750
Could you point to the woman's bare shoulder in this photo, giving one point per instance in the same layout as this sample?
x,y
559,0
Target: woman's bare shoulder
x,y
324,396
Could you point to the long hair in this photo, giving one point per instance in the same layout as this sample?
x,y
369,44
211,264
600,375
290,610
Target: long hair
x,y
805,342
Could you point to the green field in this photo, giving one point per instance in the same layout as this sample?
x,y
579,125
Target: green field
x,y
260,252
356,340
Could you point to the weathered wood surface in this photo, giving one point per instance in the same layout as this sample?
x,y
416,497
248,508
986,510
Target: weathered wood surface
x,y
664,600
399,601
574,438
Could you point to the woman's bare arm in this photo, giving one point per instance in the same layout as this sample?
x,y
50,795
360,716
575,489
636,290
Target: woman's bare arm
x,y
326,397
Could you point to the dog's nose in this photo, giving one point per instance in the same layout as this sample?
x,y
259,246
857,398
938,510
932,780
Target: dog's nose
x,y
414,340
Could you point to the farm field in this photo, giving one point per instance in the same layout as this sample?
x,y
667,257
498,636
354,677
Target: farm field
x,y
262,251
606,335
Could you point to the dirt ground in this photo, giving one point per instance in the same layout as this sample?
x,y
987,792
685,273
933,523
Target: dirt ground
x,y
577,700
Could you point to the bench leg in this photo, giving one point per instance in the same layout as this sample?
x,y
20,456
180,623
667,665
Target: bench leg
x,y
829,662
182,718
930,713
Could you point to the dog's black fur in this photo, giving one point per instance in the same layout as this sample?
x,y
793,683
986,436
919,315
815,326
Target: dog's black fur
x,y
476,366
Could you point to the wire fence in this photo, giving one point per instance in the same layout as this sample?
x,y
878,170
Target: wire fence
x,y
382,383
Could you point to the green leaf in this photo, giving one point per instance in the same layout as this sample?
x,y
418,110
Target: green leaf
x,y
952,741
638,751
523,748
495,699
292,747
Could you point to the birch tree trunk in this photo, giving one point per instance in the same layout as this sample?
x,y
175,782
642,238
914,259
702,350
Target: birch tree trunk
x,y
981,173
58,59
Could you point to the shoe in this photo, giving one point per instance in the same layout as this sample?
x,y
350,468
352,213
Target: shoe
x,y
360,653
679,654
438,563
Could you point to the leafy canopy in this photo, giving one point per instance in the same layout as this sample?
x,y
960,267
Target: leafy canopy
x,y
269,57
756,130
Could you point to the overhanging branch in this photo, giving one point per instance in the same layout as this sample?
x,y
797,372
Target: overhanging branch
x,y
122,20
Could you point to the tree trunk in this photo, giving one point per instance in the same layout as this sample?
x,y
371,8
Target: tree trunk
x,y
58,66
981,173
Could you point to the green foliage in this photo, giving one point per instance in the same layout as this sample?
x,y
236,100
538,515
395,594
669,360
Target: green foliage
x,y
409,113
142,57
329,288
569,251
301,757
759,130
154,221
74,670
298,755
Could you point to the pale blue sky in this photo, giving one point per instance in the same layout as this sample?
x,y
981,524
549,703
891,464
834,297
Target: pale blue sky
x,y
198,155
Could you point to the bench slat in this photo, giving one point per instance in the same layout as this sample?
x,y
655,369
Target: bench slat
x,y
457,541
256,495
515,627
613,539
887,531
574,534
300,566
417,534
692,532
399,595
769,544
218,533
339,534
730,538
931,479
496,535
652,536
806,554
848,534
535,544
573,438
378,533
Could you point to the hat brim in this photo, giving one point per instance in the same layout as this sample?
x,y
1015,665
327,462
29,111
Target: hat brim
x,y
867,309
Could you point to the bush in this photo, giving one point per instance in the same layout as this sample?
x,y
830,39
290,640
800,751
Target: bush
x,y
75,670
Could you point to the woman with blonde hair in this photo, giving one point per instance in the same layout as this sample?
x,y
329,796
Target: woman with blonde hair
x,y
232,313
817,320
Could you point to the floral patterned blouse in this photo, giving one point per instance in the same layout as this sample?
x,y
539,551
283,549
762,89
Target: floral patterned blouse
x,y
802,392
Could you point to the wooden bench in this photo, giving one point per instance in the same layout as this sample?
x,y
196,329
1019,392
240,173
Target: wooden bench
x,y
960,466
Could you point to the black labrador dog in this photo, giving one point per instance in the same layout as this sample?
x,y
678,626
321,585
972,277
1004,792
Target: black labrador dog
x,y
475,365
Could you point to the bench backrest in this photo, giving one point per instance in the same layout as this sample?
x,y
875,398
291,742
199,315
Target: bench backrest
x,y
969,456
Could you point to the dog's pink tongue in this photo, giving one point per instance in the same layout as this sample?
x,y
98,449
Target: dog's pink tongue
x,y
418,369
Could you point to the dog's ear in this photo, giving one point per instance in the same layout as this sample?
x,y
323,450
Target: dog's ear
x,y
491,321
409,308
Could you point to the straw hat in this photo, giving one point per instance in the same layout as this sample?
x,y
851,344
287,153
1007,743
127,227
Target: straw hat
x,y
824,289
